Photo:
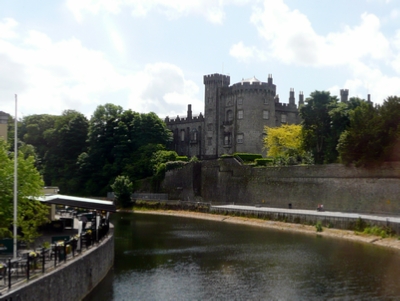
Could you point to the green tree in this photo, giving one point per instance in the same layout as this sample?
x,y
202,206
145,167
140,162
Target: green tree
x,y
66,141
316,124
120,143
122,188
284,144
33,131
283,140
373,135
31,214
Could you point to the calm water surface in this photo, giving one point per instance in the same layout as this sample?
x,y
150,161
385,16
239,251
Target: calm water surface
x,y
173,258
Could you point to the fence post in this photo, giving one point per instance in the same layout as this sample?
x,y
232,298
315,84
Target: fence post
x,y
43,260
27,267
55,254
65,251
9,273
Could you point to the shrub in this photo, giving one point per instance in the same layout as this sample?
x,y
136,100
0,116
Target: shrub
x,y
318,226
264,161
182,158
247,157
360,225
174,165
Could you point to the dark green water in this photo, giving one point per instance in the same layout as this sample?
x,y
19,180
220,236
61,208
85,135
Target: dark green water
x,y
172,258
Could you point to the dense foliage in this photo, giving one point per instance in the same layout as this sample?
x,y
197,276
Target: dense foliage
x,y
84,157
284,145
373,136
324,119
31,214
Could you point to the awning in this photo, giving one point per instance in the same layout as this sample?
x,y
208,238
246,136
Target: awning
x,y
79,202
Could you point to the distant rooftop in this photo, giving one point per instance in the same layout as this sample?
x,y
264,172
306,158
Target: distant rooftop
x,y
251,80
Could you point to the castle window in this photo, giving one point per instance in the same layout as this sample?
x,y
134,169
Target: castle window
x,y
195,136
283,118
265,114
239,138
227,139
240,101
265,101
240,114
182,135
229,102
209,127
229,115
209,141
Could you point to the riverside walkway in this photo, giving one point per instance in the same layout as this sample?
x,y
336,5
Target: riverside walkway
x,y
340,219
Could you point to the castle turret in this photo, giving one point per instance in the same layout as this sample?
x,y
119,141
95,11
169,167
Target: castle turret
x,y
369,98
213,111
344,95
291,97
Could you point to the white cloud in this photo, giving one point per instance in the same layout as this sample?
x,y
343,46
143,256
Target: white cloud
x,y
7,28
162,87
212,10
241,52
291,38
369,80
51,76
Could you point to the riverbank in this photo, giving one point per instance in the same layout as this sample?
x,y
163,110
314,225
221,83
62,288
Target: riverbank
x,y
390,242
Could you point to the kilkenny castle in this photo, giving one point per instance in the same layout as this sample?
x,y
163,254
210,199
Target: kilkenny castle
x,y
234,118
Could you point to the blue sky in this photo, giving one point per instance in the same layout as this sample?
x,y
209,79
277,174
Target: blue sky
x,y
151,55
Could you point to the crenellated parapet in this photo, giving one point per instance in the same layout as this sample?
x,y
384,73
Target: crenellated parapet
x,y
183,120
217,78
254,86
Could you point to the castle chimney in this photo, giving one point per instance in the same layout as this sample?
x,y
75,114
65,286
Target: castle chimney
x,y
189,112
301,98
270,79
369,98
291,97
344,95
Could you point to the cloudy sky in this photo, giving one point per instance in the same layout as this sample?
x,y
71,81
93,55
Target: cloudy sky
x,y
151,55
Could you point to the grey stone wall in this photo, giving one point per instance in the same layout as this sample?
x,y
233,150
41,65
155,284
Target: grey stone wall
x,y
337,187
73,280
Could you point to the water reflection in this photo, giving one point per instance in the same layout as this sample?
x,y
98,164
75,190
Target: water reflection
x,y
171,258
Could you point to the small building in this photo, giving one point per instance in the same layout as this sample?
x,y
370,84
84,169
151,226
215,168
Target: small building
x,y
4,125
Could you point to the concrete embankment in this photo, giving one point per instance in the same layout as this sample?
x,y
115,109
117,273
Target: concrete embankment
x,y
71,281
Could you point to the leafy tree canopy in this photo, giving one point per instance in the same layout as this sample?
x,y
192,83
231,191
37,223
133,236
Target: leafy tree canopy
x,y
373,135
284,144
31,214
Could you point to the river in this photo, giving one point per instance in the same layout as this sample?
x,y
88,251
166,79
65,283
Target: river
x,y
174,258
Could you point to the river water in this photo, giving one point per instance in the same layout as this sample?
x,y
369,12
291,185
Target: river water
x,y
172,258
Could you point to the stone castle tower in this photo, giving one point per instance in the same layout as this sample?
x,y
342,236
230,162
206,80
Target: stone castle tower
x,y
234,118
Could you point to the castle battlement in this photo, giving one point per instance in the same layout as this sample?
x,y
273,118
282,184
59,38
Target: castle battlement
x,y
184,119
217,78
253,86
279,105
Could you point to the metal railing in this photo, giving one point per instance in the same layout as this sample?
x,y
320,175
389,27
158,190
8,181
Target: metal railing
x,y
35,263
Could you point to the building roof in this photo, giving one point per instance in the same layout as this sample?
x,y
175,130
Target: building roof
x,y
251,80
79,202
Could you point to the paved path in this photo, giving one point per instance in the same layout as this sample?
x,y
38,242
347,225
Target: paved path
x,y
392,219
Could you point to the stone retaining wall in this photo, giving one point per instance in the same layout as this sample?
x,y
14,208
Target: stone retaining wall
x,y
71,281
337,187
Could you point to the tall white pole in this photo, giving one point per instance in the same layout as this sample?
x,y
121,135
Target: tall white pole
x,y
15,178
